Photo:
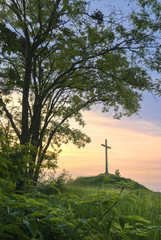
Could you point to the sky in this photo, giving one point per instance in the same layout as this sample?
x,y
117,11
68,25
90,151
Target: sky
x,y
135,142
135,146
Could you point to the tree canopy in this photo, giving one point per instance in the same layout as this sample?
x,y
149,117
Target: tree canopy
x,y
57,59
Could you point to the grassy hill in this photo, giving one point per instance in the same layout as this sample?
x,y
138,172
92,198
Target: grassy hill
x,y
106,181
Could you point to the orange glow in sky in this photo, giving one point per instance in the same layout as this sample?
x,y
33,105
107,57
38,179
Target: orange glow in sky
x,y
135,150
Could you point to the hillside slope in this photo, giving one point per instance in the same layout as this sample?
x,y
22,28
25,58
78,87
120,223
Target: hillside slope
x,y
106,180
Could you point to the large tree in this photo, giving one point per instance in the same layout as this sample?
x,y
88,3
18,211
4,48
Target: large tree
x,y
58,58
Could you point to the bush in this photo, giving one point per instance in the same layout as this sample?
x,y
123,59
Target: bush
x,y
53,183
48,189
117,173
69,217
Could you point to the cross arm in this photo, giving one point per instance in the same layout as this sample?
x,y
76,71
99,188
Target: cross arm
x,y
105,146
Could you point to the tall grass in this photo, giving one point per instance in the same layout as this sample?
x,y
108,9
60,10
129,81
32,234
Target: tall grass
x,y
143,203
82,211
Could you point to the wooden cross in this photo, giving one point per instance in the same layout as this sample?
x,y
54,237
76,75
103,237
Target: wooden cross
x,y
106,156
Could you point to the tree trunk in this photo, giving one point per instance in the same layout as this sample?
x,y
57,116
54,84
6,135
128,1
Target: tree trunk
x,y
21,185
25,100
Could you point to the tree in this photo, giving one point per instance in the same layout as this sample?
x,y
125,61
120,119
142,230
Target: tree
x,y
58,59
148,20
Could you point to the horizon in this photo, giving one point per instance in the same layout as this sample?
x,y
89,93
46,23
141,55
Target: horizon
x,y
135,147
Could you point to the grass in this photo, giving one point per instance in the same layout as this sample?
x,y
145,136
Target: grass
x,y
141,201
105,181
104,207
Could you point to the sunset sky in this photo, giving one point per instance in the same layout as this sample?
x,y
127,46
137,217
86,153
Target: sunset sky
x,y
135,142
135,146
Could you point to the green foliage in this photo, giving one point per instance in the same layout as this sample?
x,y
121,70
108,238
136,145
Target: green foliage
x,y
8,39
98,215
7,186
54,185
13,161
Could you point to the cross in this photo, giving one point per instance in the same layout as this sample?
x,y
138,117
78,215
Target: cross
x,y
106,156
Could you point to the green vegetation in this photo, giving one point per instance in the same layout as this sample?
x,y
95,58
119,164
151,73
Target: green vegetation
x,y
74,212
105,181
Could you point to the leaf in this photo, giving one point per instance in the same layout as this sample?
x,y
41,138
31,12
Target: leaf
x,y
133,219
39,214
56,219
14,230
122,222
32,226
123,235
35,203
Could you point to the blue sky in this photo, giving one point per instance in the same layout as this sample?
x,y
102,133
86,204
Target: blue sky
x,y
151,108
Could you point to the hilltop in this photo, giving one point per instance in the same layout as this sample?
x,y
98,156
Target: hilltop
x,y
106,180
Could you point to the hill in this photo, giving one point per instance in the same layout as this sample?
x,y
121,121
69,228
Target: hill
x,y
106,180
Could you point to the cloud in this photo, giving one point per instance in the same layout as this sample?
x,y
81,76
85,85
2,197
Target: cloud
x,y
147,127
135,148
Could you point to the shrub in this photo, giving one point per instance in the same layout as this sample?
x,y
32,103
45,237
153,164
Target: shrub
x,y
117,173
